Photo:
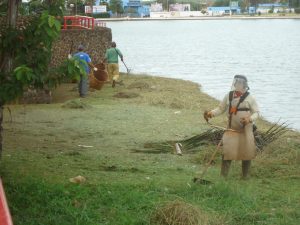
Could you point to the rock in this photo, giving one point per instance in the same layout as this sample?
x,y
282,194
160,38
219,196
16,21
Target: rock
x,y
78,180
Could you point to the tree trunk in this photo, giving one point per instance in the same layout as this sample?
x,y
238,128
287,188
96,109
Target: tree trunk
x,y
7,58
11,21
12,12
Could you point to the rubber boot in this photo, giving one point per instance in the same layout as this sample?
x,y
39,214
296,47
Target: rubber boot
x,y
245,168
225,167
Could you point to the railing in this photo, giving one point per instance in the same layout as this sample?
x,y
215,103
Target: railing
x,y
99,23
78,22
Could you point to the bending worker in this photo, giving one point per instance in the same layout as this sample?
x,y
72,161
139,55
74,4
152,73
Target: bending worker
x,y
112,58
83,85
242,110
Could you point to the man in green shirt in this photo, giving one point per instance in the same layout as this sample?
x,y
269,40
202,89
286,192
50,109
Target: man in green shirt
x,y
112,58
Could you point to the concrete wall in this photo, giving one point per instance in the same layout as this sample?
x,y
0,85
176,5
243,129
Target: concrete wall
x,y
96,42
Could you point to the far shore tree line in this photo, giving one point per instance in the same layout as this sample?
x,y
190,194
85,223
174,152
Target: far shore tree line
x,y
116,6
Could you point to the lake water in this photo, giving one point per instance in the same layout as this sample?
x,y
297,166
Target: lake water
x,y
211,52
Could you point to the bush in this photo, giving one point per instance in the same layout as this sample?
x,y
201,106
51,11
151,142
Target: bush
x,y
297,10
102,15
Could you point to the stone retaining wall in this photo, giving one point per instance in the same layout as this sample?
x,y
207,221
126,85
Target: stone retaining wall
x,y
96,42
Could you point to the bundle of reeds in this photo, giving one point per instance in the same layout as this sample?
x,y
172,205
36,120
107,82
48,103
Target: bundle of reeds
x,y
263,139
213,136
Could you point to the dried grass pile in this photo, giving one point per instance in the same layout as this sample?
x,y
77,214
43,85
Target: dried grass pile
x,y
126,95
213,136
179,213
76,104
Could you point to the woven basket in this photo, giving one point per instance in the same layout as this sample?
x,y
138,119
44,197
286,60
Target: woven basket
x,y
95,83
101,75
100,66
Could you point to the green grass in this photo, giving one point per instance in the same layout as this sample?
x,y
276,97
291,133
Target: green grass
x,y
41,153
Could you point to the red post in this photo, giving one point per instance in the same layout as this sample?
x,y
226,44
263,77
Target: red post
x,y
93,23
5,218
65,23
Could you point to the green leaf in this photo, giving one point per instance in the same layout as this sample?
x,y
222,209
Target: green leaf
x,y
51,21
57,25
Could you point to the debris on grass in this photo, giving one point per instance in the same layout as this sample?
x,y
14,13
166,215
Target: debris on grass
x,y
76,104
126,95
86,146
78,180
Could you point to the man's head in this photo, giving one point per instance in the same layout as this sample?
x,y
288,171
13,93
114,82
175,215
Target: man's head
x,y
80,47
240,83
113,44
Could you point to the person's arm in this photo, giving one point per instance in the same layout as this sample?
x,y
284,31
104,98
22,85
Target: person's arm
x,y
90,64
222,106
254,110
217,111
120,54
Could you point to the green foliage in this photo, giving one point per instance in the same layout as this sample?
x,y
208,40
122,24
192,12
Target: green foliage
x,y
3,7
116,6
221,3
297,10
102,15
30,47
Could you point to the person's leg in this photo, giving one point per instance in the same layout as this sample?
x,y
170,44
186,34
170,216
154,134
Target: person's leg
x,y
83,86
80,86
225,167
245,168
110,70
116,74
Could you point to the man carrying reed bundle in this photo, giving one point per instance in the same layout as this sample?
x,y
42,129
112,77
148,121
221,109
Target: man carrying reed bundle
x,y
83,85
238,141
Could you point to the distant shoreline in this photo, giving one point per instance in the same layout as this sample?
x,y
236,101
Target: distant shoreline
x,y
201,18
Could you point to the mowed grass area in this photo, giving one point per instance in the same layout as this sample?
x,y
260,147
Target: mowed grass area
x,y
45,145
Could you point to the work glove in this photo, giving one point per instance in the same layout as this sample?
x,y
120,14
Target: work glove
x,y
207,115
69,56
245,120
95,69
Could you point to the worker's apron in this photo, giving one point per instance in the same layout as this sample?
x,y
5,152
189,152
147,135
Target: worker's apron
x,y
239,145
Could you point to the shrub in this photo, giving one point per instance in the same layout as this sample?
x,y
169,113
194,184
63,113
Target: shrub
x,y
297,10
102,15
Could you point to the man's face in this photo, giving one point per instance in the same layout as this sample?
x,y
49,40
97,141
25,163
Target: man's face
x,y
239,85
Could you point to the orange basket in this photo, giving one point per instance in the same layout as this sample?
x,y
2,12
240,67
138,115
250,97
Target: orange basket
x,y
101,75
95,83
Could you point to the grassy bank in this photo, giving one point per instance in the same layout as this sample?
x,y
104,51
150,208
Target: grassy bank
x,y
45,145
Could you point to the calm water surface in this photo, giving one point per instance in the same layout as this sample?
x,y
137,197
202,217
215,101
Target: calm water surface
x,y
212,52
